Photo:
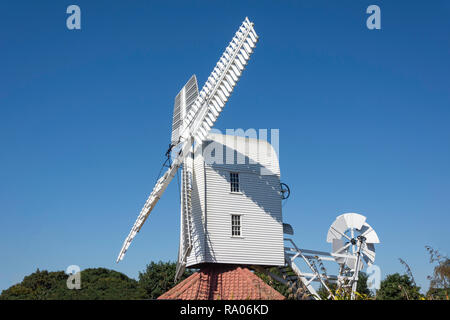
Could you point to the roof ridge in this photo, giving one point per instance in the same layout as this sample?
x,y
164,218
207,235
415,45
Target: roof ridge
x,y
223,282
181,287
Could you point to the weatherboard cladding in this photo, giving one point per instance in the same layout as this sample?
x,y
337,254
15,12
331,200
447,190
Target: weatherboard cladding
x,y
258,203
261,240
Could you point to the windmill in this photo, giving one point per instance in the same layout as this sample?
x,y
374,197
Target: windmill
x,y
231,210
352,248
194,115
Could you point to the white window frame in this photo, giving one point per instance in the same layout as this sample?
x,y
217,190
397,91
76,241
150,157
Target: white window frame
x,y
240,225
235,182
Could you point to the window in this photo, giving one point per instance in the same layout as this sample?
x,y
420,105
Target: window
x,y
234,181
235,225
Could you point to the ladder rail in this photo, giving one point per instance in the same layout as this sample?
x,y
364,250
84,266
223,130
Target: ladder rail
x,y
294,252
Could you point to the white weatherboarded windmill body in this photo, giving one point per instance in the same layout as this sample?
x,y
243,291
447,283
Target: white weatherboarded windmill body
x,y
236,205
231,194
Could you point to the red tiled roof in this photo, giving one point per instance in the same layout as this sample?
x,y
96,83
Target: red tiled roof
x,y
223,282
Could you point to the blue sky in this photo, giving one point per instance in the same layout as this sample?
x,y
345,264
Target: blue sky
x,y
85,120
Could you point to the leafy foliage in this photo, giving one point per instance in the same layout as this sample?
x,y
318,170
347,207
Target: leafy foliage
x,y
98,283
362,287
439,281
280,287
398,287
362,291
159,277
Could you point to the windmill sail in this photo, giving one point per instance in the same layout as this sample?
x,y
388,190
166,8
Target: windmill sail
x,y
220,84
343,235
155,195
201,114
183,102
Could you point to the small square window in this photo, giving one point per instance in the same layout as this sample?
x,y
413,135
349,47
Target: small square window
x,y
235,225
234,182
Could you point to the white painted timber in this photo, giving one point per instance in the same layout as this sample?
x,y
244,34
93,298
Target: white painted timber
x,y
258,203
198,209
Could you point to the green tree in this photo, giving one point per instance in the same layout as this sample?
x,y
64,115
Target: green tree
x,y
361,288
398,287
440,280
159,278
280,287
98,283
